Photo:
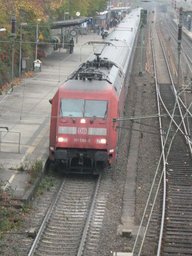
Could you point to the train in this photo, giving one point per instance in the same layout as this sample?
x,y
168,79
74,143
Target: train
x,y
83,129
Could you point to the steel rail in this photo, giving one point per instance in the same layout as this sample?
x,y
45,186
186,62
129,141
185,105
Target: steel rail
x,y
45,220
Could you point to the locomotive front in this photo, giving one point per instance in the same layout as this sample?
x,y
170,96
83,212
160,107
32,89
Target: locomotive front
x,y
82,134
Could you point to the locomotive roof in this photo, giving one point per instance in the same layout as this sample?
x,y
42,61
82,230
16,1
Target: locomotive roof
x,y
86,86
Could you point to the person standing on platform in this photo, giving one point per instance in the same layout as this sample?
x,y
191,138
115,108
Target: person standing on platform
x,y
71,45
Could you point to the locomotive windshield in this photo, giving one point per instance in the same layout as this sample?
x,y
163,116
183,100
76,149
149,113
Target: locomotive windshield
x,y
83,108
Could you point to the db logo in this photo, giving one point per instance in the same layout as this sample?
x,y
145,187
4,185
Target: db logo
x,y
82,130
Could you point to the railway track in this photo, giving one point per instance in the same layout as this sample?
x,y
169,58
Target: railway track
x,y
73,221
169,217
176,145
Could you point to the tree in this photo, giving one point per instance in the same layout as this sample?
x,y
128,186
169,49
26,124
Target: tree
x,y
96,6
85,7
29,11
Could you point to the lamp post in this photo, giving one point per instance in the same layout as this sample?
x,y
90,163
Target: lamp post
x,y
77,32
141,67
13,35
179,43
20,47
63,29
37,38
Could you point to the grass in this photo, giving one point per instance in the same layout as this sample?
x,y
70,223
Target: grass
x,y
12,215
33,169
45,185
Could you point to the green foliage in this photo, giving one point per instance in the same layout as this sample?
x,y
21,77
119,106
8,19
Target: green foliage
x,y
10,215
8,218
45,185
32,10
85,7
4,72
34,169
5,57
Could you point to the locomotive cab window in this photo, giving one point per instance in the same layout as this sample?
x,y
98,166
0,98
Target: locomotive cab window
x,y
95,108
83,108
71,107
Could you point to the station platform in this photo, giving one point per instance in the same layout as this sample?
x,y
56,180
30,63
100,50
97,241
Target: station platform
x,y
25,116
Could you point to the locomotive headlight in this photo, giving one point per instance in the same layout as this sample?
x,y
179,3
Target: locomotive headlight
x,y
101,141
111,151
83,121
62,139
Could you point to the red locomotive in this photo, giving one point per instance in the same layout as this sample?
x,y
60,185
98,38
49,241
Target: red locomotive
x,y
83,134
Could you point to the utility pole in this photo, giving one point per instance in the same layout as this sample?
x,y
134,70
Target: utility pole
x,y
179,42
37,38
13,35
141,66
63,29
20,47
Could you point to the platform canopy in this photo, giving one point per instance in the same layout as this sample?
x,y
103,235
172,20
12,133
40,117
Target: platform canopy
x,y
69,23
